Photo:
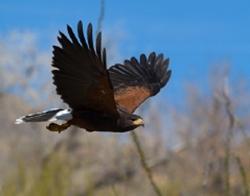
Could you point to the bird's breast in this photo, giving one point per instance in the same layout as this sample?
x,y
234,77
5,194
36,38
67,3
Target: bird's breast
x,y
94,121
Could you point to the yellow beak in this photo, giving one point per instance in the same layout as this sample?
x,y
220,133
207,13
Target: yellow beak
x,y
138,122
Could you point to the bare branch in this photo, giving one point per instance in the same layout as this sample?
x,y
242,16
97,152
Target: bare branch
x,y
101,16
144,163
243,175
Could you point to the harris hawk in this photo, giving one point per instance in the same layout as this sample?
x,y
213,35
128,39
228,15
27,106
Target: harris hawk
x,y
100,99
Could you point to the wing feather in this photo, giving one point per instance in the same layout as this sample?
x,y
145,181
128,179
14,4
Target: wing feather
x,y
80,73
81,35
99,45
135,81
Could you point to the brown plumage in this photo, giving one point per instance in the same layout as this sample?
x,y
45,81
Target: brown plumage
x,y
100,99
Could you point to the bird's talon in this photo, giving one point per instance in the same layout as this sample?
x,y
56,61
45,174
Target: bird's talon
x,y
57,128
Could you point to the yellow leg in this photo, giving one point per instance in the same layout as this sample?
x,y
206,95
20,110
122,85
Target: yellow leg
x,y
57,128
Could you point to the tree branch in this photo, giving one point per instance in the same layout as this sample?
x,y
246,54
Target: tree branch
x,y
144,163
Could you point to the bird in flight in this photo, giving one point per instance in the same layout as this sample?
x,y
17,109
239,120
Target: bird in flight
x,y
100,99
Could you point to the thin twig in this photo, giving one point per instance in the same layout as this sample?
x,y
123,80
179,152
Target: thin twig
x,y
144,163
231,118
243,175
101,16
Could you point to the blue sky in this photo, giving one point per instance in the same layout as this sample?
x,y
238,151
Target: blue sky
x,y
196,35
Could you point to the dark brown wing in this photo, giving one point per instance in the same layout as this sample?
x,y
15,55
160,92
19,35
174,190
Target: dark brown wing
x,y
81,77
135,81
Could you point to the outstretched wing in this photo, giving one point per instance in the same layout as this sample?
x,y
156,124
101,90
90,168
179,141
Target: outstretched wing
x,y
135,81
81,77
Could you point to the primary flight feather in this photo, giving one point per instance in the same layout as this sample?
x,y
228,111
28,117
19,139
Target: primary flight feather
x,y
100,99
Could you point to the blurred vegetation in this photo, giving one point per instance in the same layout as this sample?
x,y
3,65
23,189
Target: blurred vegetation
x,y
201,149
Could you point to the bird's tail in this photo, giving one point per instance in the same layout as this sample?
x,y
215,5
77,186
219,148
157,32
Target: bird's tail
x,y
47,115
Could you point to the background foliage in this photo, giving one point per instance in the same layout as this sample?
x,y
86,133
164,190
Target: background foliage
x,y
200,146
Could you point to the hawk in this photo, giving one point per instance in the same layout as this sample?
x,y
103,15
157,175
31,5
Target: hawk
x,y
100,99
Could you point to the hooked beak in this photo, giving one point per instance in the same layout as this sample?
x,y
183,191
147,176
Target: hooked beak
x,y
138,122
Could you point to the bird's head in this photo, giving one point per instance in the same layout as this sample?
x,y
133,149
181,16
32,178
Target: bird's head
x,y
137,121
130,122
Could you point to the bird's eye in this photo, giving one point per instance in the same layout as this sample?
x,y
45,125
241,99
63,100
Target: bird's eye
x,y
134,118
